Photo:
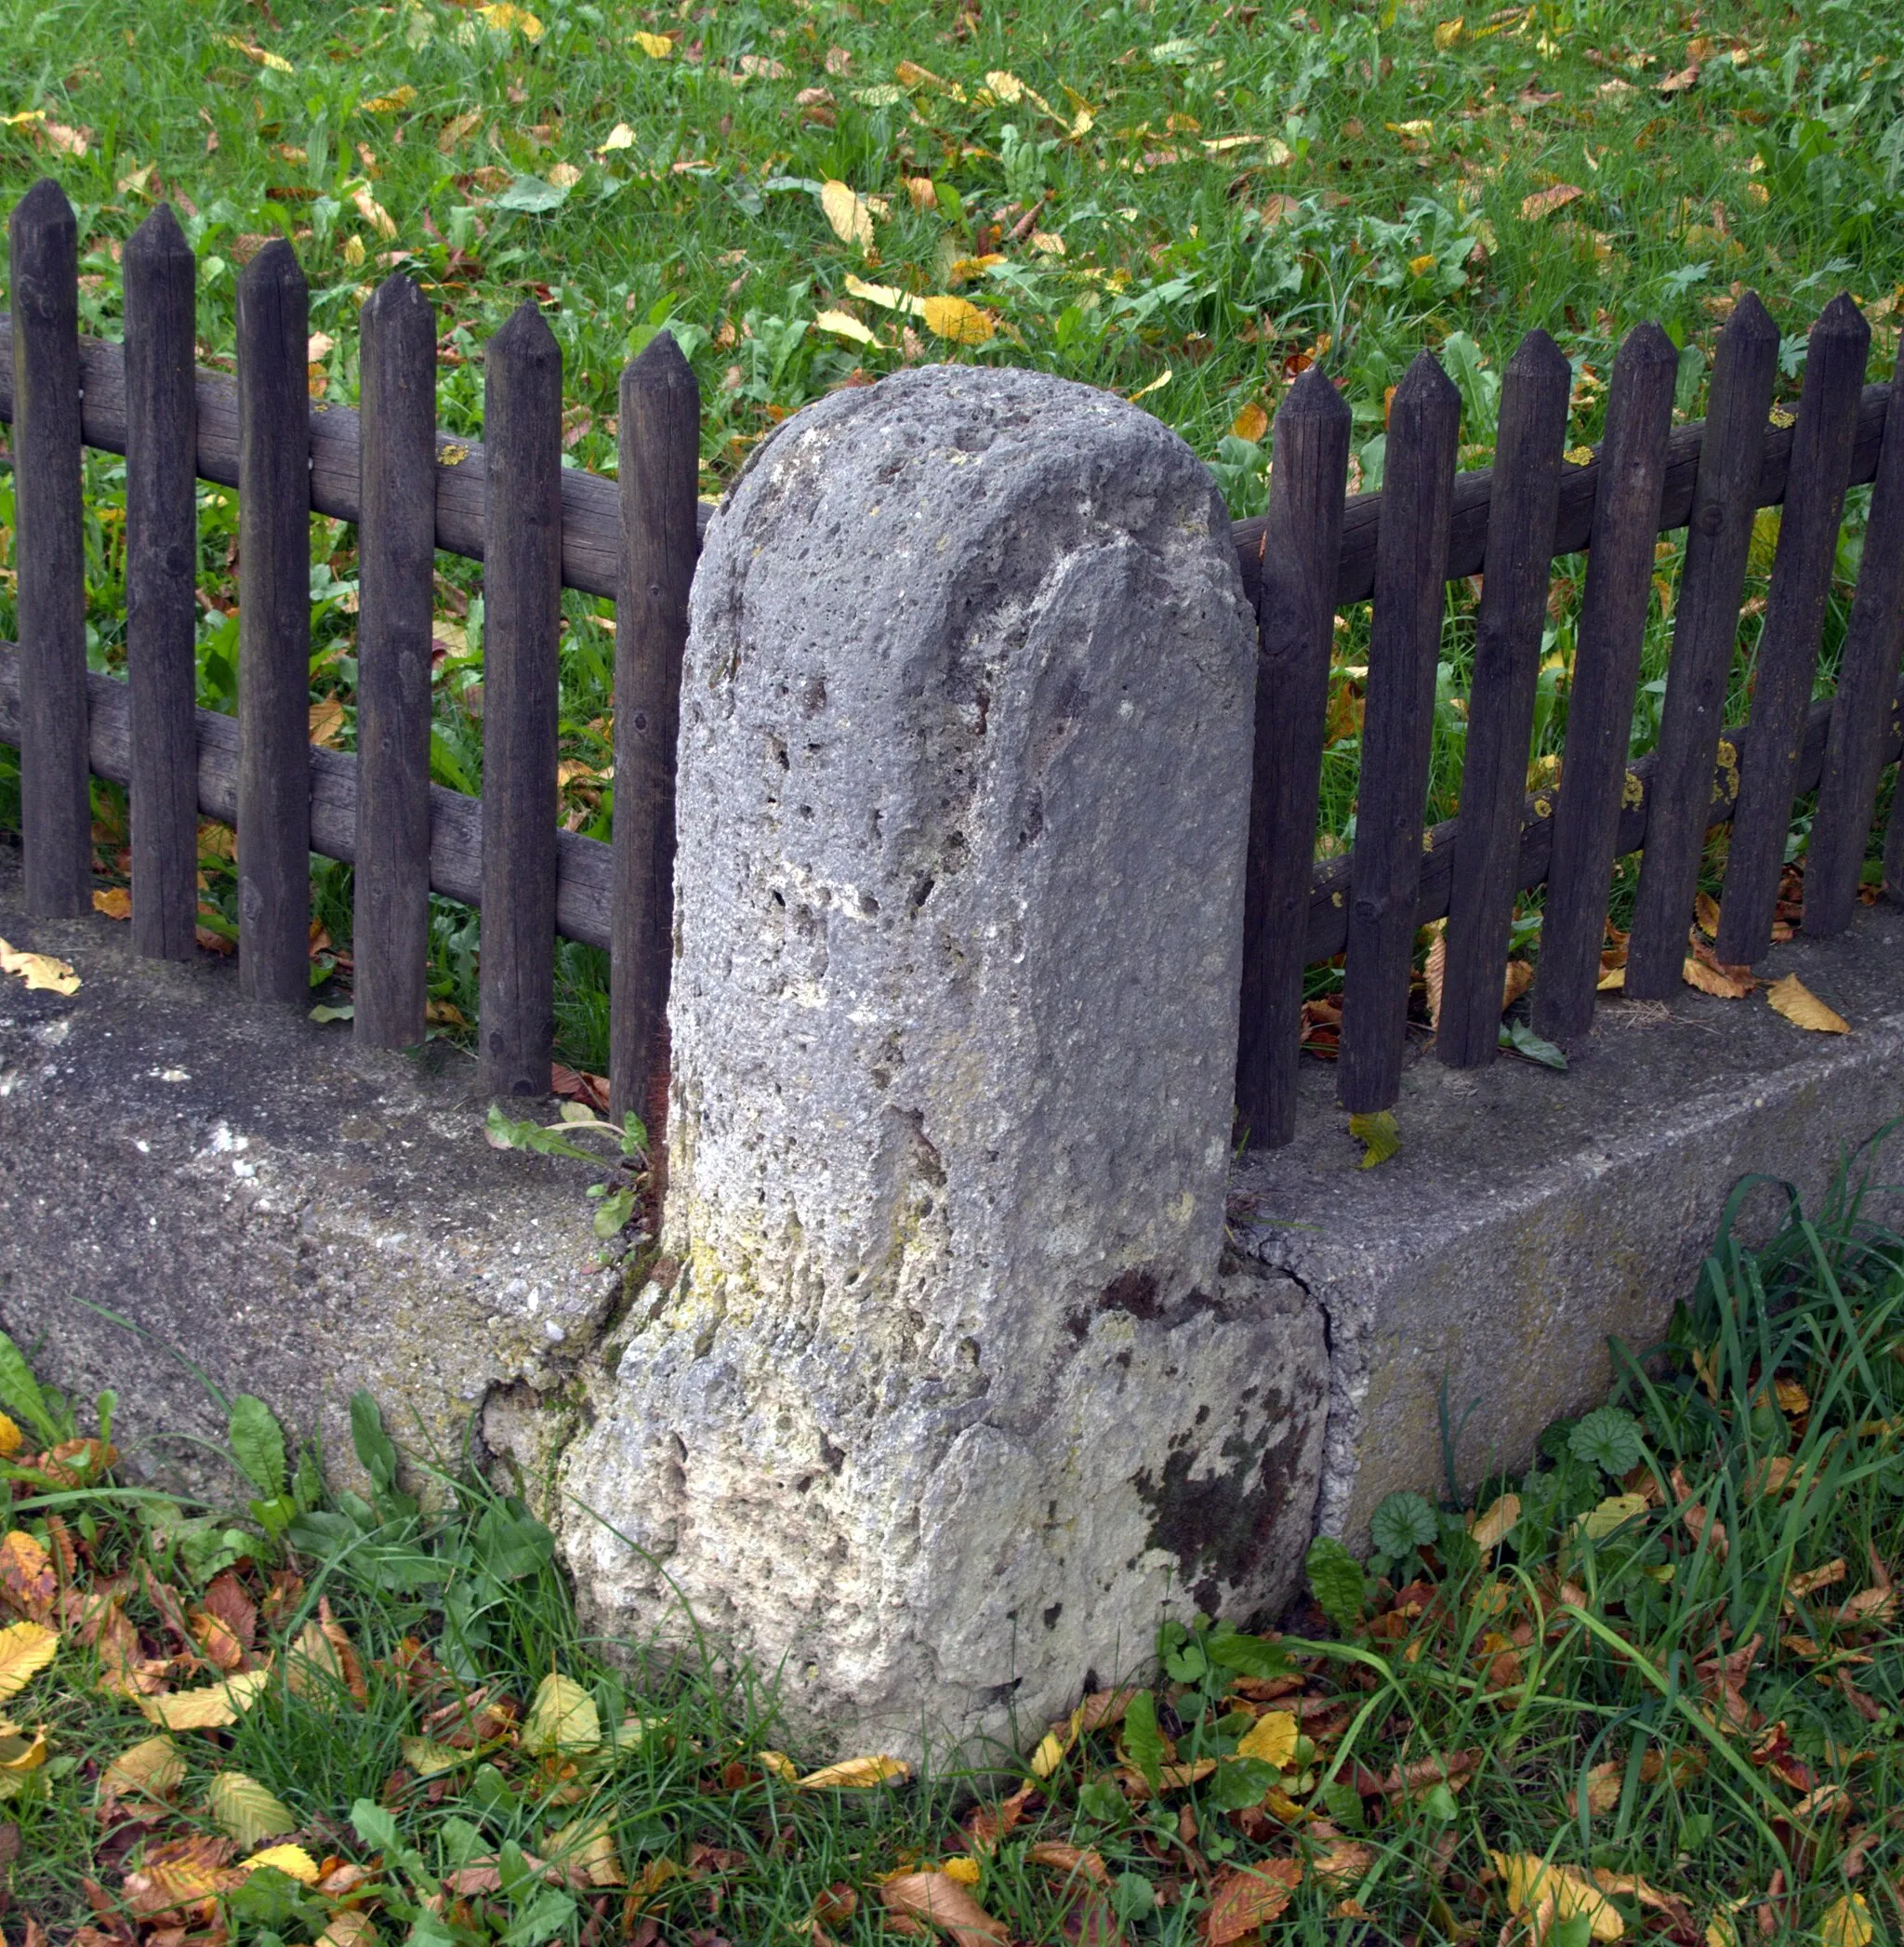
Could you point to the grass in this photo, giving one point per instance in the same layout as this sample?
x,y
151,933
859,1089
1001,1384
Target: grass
x,y
1656,1680
1185,204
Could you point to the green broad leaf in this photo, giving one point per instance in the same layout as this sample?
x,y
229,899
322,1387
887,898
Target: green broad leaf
x,y
1133,1896
1102,1802
1247,1655
20,1394
1240,1783
1186,1665
257,1445
1377,1134
1143,1742
533,195
503,1131
1344,1804
545,1914
346,1012
1336,1580
1608,1438
613,1213
1517,1038
375,1451
268,1898
1404,1522
511,1542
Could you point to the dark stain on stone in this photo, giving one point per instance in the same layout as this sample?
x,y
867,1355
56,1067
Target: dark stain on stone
x,y
1051,1615
1221,1528
1134,1291
833,1456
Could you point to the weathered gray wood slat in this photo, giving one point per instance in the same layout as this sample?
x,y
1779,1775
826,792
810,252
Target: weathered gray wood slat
x,y
273,631
455,821
1397,730
161,577
1867,674
521,624
1788,648
1705,631
592,525
1529,452
1295,620
660,438
585,874
49,555
396,558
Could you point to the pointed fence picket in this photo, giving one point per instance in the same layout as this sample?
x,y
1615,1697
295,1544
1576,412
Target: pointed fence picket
x,y
536,526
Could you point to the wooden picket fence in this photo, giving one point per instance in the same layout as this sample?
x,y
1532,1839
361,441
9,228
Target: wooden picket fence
x,y
508,501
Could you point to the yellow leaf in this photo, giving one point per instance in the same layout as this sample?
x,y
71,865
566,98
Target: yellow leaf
x,y
1705,911
1272,1738
116,902
153,1768
349,1927
292,1860
1532,1885
846,211
1448,34
453,132
1156,385
1802,1008
588,1847
373,213
1579,456
1847,1922
210,1708
1050,1753
42,971
25,1650
656,46
1717,981
1251,423
389,104
1421,266
1613,1512
620,136
1543,203
1048,242
842,323
1377,1134
1497,1524
262,56
966,1871
953,318
1006,85
505,19
855,1774
888,297
565,176
1415,131
20,1754
562,1718
779,1764
9,1436
242,1808
426,1757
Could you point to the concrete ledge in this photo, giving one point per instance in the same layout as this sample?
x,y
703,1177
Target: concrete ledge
x,y
295,1219
1529,1213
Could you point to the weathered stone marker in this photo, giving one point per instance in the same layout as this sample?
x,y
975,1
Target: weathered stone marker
x,y
939,1399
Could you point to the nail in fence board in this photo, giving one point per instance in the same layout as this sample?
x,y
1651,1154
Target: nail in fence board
x,y
521,617
1295,622
1397,727
1529,452
1594,775
1705,631
273,631
1867,675
592,525
396,556
660,452
161,583
56,796
1795,617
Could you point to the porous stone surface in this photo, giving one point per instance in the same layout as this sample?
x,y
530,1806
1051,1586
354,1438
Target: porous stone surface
x,y
1530,1215
188,1179
938,1401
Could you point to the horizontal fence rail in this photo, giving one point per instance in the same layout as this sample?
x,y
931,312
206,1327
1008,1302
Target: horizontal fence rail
x,y
507,502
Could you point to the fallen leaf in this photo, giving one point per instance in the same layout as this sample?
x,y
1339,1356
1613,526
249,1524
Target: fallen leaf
x,y
1448,34
1251,423
562,1718
1678,84
389,104
11,1436
1847,1922
846,210
1814,1579
39,969
153,1769
26,1576
1709,977
656,46
1796,1002
586,1852
855,1774
1494,1527
1543,203
939,1898
114,902
210,1708
1533,1884
291,1860
25,1650
1245,1898
242,1807
454,131
1377,1134
842,323
326,728
955,319
1272,1738
180,1872
1435,972
502,18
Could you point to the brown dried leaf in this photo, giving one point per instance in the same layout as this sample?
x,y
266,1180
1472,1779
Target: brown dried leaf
x,y
1796,1002
1701,971
938,1898
26,1576
1245,1898
1543,203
